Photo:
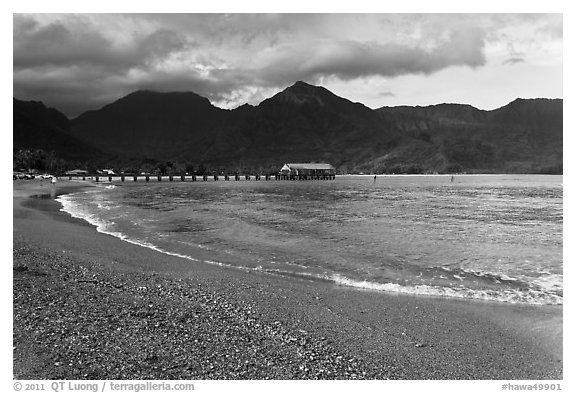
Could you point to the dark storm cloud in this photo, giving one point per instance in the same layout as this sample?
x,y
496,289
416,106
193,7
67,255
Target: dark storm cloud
x,y
71,65
349,60
56,44
233,29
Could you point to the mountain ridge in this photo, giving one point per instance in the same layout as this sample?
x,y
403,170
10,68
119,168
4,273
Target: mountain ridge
x,y
309,123
36,126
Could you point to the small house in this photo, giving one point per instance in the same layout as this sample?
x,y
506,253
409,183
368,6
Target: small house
x,y
108,172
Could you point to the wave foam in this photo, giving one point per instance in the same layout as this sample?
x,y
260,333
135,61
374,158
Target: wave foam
x,y
529,296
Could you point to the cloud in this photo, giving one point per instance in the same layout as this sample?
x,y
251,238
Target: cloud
x,y
513,60
79,42
553,26
349,59
386,94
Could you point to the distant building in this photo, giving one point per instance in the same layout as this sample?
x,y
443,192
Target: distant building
x,y
76,172
307,169
105,172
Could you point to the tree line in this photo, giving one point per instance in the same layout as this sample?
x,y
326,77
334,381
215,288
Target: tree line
x,y
27,160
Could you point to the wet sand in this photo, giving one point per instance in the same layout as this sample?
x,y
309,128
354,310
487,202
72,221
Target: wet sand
x,y
90,306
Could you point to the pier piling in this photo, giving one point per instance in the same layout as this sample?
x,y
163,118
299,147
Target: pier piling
x,y
237,177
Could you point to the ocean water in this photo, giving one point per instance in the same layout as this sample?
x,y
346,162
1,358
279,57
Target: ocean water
x,y
489,237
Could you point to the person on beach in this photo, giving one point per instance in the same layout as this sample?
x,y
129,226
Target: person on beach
x,y
374,178
53,181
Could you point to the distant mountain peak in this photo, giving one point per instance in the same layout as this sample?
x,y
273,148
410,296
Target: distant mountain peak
x,y
533,101
303,85
303,88
301,93
152,101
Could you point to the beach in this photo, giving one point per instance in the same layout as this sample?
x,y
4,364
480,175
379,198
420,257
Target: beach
x,y
90,306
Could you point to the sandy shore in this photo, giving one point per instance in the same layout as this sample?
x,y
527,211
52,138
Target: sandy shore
x,y
90,306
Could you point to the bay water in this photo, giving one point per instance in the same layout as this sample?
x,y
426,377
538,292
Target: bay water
x,y
489,237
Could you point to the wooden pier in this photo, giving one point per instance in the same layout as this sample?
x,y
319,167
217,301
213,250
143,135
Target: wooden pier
x,y
194,178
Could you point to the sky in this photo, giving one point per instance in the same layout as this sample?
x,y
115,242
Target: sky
x,y
79,62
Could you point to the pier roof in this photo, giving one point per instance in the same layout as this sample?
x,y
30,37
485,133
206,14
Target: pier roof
x,y
320,166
